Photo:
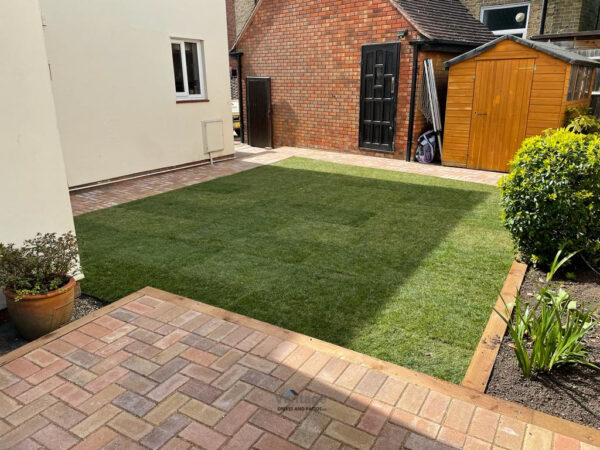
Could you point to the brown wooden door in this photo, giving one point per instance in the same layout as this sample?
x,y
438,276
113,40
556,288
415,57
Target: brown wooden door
x,y
258,105
500,110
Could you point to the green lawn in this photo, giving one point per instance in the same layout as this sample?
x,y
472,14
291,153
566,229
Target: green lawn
x,y
401,267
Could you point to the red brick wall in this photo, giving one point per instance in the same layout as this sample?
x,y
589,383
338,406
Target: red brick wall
x,y
312,51
231,31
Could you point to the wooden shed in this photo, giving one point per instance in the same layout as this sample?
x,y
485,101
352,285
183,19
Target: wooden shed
x,y
505,91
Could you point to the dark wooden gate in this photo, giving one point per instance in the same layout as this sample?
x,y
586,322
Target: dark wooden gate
x,y
378,96
258,102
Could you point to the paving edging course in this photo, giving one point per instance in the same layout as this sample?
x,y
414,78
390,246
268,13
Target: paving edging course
x,y
481,366
531,417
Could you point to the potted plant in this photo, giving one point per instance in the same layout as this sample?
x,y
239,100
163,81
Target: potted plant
x,y
37,284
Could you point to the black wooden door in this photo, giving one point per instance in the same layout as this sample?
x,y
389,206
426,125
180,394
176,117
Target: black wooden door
x,y
258,102
378,96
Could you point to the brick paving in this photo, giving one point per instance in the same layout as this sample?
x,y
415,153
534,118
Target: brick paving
x,y
155,370
92,199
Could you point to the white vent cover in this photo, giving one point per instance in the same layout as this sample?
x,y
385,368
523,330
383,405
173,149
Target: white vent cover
x,y
213,135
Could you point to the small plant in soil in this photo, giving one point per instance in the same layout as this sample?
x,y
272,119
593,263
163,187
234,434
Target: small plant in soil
x,y
550,332
40,266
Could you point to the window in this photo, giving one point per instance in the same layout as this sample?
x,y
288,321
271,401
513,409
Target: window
x,y
506,19
188,66
580,83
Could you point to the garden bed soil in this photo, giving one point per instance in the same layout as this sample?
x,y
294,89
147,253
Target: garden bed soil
x,y
570,392
11,340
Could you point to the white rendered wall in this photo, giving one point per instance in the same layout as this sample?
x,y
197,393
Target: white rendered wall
x,y
113,83
33,185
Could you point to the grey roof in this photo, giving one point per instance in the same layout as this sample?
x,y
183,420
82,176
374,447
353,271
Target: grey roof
x,y
546,47
444,20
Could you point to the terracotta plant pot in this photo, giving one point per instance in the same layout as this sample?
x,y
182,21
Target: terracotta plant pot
x,y
37,315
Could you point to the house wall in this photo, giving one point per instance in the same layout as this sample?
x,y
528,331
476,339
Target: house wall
x,y
535,10
546,107
312,53
112,78
562,16
231,25
33,187
590,12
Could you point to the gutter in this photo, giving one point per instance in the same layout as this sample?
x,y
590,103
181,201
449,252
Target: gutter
x,y
543,18
593,34
450,42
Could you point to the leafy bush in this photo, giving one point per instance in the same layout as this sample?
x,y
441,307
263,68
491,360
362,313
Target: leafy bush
x,y
579,119
573,112
41,265
585,124
551,332
551,197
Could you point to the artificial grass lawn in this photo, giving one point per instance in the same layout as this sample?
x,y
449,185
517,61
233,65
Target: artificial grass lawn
x,y
402,267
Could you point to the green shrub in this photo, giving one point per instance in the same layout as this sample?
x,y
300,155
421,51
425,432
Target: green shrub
x,y
580,119
551,197
551,332
573,112
41,265
586,124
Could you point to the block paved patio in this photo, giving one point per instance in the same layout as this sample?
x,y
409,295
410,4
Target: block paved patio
x,y
155,370
246,157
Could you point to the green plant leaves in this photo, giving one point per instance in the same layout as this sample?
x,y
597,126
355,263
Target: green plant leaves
x,y
551,332
41,265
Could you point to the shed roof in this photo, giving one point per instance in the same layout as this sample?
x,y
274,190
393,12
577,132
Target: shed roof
x,y
440,20
545,47
447,20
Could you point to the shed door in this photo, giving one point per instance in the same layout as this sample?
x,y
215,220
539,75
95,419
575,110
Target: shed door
x,y
378,97
258,103
500,110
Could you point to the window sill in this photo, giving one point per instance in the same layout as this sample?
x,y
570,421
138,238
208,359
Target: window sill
x,y
192,100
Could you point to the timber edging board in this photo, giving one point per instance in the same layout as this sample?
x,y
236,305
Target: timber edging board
x,y
482,363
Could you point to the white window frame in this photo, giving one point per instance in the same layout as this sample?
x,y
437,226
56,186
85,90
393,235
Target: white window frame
x,y
523,30
185,96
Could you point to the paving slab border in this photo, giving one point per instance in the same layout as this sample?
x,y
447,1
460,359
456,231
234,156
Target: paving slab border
x,y
555,424
585,434
17,353
481,366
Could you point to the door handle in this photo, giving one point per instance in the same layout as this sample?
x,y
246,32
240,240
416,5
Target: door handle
x,y
480,114
393,85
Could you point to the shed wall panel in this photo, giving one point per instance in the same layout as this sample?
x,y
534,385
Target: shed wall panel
x,y
459,107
